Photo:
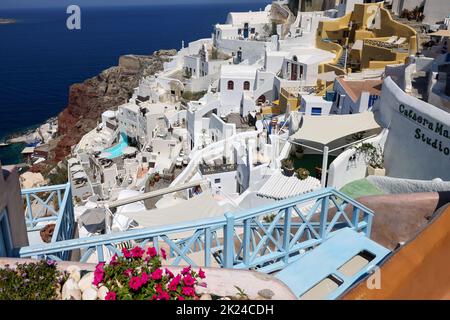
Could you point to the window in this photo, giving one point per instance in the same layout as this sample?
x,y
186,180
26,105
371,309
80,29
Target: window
x,y
230,85
217,180
247,85
316,111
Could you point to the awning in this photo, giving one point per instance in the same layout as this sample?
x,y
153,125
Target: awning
x,y
200,207
440,33
326,129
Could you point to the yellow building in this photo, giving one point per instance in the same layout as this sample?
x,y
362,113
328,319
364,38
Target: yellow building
x,y
374,39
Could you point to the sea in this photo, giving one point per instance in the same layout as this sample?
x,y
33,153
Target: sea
x,y
40,57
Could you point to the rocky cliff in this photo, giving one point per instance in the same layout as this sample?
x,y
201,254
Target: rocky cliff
x,y
109,89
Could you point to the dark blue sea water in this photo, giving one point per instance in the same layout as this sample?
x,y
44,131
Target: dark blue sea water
x,y
40,58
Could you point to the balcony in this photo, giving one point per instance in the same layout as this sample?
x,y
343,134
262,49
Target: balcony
x,y
252,239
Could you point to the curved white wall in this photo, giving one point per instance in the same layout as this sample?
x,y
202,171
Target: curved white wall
x,y
343,171
418,143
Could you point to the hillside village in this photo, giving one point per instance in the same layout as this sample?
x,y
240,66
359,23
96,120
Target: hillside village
x,y
324,118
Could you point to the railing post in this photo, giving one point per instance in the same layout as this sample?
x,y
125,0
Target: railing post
x,y
30,213
207,247
355,217
286,233
324,216
228,241
246,242
368,219
101,257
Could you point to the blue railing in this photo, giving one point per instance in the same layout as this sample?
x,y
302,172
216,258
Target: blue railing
x,y
265,238
52,204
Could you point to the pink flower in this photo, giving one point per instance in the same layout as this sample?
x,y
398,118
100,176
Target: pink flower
x,y
157,274
180,298
173,285
163,254
188,291
202,284
100,266
98,277
169,273
152,252
135,283
137,252
98,273
128,272
188,280
159,288
113,261
164,296
126,253
201,274
186,270
144,278
110,296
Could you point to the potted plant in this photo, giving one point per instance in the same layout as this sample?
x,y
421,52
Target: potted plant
x,y
299,152
373,156
288,167
302,173
151,181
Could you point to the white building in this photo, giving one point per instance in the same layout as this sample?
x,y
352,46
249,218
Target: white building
x,y
314,105
244,25
140,122
237,82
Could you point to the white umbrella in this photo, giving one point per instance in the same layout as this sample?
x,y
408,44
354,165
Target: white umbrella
x,y
93,220
80,175
104,155
129,150
76,168
72,161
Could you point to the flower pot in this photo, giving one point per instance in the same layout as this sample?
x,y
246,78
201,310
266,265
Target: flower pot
x,y
371,171
289,172
299,155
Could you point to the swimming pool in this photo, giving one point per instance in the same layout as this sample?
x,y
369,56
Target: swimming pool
x,y
117,150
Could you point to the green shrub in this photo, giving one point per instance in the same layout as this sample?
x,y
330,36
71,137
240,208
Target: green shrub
x,y
302,173
287,163
30,281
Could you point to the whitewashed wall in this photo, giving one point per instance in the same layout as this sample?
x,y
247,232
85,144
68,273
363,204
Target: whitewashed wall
x,y
407,154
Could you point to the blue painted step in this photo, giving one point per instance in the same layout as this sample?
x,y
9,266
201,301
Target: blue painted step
x,y
319,267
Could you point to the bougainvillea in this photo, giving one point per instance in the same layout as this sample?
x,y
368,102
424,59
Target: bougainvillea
x,y
138,275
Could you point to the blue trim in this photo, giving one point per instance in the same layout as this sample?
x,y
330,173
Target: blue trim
x,y
249,241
